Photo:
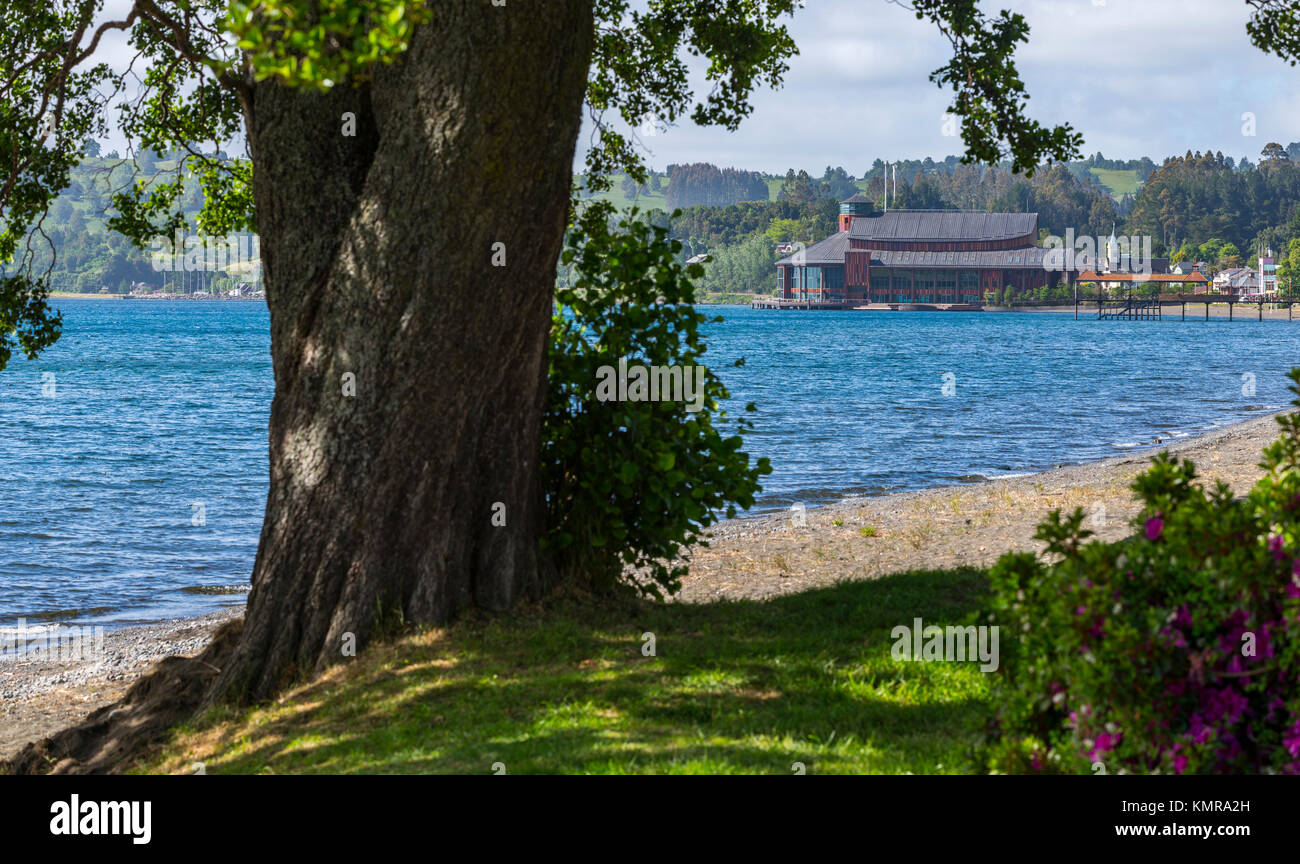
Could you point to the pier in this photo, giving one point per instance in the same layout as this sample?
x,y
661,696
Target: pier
x,y
1152,308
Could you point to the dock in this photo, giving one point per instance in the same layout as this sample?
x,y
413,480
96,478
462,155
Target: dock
x,y
1152,308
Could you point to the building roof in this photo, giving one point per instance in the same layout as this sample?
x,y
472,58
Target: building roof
x,y
943,226
829,251
1238,276
1090,276
857,198
833,249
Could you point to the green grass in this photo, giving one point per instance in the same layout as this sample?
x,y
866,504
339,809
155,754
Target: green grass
x,y
728,298
644,202
733,687
1118,182
774,186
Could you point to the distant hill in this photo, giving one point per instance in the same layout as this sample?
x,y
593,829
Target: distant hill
x,y
88,257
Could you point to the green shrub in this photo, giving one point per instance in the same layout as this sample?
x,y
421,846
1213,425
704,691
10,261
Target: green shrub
x,y
1174,651
630,484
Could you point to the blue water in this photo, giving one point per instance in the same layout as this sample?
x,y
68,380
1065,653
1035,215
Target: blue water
x,y
160,406
156,407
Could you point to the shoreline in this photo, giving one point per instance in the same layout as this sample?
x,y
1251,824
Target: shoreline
x,y
1142,448
41,696
754,556
766,555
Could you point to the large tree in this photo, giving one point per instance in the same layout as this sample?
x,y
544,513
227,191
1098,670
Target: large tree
x,y
408,171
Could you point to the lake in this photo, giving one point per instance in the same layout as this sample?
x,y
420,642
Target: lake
x,y
133,453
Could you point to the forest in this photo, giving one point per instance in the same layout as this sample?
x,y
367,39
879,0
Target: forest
x,y
1198,206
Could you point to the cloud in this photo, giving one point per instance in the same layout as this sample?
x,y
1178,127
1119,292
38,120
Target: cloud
x,y
1136,77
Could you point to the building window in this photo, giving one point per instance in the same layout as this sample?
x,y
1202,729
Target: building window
x,y
969,282
901,286
923,286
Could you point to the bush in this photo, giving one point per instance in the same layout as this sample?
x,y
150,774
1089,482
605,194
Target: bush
x,y
1174,651
630,484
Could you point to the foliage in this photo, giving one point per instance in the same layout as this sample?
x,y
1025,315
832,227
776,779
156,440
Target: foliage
x,y
749,267
1288,269
630,484
49,103
704,228
1200,198
319,43
1174,651
702,183
802,189
638,68
640,74
1274,27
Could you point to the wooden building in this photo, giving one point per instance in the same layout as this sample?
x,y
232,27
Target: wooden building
x,y
917,256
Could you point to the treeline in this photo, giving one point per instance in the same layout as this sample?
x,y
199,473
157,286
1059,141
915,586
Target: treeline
x,y
705,228
1061,199
1198,197
1143,166
802,188
702,183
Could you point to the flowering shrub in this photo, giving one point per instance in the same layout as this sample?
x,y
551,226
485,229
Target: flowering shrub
x,y
1174,651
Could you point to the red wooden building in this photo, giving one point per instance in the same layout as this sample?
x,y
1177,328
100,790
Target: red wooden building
x,y
917,256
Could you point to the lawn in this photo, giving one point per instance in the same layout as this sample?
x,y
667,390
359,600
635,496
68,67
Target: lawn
x,y
732,687
1118,182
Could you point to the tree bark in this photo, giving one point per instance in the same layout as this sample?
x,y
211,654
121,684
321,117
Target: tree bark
x,y
378,259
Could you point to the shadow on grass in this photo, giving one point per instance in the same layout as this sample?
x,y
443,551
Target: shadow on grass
x,y
741,686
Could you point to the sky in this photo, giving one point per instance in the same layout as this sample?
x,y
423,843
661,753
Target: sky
x,y
1137,77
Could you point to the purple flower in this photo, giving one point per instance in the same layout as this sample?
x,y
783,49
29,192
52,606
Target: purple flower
x,y
1292,742
1275,544
1155,525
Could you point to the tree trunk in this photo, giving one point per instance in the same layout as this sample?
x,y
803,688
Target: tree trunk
x,y
409,369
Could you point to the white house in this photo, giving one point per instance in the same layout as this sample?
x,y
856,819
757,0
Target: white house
x,y
1237,280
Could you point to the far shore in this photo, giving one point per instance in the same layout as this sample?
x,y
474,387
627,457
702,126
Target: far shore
x,y
749,557
1242,311
74,295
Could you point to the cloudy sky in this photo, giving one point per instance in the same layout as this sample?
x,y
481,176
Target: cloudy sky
x,y
1136,77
